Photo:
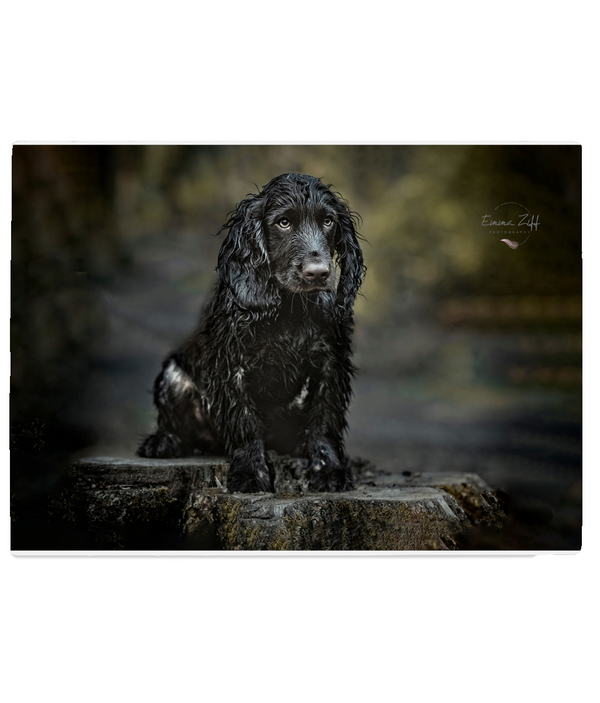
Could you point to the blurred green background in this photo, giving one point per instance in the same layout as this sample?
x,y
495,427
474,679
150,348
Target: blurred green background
x,y
469,351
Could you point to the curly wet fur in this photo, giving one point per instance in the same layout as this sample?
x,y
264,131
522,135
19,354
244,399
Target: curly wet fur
x,y
270,367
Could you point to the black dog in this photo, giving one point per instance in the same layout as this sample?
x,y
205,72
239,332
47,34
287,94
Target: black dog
x,y
270,366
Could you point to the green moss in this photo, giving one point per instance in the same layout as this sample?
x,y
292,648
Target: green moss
x,y
341,524
481,507
127,507
227,512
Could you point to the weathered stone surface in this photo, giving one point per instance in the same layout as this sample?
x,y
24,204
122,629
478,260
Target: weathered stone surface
x,y
377,518
192,472
184,504
133,503
472,493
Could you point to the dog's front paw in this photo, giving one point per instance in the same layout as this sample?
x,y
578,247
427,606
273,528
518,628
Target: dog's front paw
x,y
326,473
325,479
161,445
248,473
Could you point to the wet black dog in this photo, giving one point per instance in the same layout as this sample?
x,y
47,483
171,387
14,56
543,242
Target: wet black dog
x,y
270,365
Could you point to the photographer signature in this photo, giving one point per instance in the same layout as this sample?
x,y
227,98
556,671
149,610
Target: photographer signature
x,y
525,220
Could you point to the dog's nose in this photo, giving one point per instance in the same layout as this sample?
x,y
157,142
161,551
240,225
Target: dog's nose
x,y
315,272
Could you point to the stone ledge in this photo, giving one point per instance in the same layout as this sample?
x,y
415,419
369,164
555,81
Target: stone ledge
x,y
137,472
184,504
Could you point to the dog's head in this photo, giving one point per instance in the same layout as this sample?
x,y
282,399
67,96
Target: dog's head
x,y
288,240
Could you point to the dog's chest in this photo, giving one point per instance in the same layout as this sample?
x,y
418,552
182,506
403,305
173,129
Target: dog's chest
x,y
283,356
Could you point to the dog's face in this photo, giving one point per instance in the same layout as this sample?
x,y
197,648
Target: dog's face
x,y
300,226
289,239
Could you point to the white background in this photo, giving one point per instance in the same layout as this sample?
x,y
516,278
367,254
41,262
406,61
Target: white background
x,y
303,628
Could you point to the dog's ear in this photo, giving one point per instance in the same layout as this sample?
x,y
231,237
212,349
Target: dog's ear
x,y
243,263
350,261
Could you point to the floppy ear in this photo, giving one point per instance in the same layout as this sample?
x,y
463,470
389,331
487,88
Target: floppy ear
x,y
243,263
350,262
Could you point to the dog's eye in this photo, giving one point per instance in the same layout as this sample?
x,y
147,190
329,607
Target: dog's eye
x,y
284,222
328,222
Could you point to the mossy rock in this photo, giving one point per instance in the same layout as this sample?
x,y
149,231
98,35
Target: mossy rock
x,y
121,503
377,519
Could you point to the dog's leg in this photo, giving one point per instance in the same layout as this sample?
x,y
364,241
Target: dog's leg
x,y
329,467
242,429
248,471
182,426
